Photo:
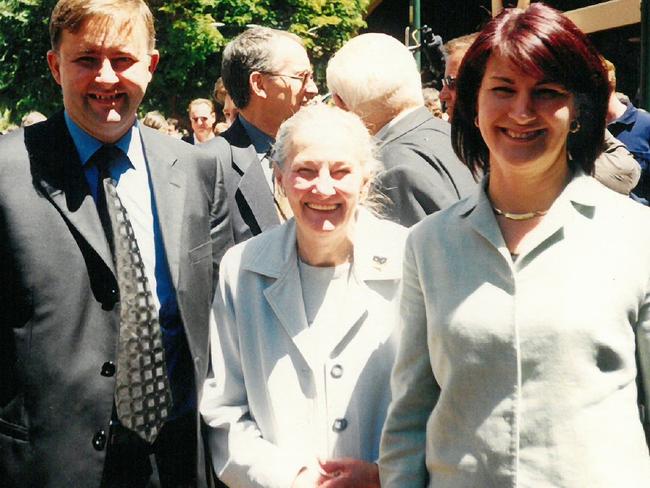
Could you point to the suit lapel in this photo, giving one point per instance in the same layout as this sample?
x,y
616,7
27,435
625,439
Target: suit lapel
x,y
57,169
256,192
253,185
168,181
285,298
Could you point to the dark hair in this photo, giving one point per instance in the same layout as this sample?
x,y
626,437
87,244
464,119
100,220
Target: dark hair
x,y
541,42
252,50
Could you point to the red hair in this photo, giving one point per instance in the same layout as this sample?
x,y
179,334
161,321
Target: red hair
x,y
543,43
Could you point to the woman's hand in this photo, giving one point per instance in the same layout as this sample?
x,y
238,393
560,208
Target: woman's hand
x,y
306,478
348,473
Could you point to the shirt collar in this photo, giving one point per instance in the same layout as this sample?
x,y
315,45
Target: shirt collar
x,y
87,145
381,133
261,141
628,117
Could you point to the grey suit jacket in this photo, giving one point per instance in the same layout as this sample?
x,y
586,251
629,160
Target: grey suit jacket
x,y
58,298
421,173
250,201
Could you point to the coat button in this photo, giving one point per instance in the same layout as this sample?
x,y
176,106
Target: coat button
x,y
339,425
108,369
99,440
336,371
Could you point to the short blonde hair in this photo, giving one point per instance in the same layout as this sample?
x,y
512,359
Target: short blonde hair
x,y
70,15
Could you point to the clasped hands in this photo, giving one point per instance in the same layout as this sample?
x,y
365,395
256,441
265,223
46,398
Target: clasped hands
x,y
338,473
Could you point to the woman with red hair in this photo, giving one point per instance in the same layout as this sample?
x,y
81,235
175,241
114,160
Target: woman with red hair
x,y
526,306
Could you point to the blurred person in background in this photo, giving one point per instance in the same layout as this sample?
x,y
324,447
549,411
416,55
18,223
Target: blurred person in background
x,y
631,126
454,51
432,102
32,117
202,119
156,120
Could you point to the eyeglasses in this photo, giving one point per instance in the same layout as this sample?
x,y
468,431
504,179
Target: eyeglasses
x,y
449,82
303,77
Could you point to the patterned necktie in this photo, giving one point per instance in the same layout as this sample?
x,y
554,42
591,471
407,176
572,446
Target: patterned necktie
x,y
142,393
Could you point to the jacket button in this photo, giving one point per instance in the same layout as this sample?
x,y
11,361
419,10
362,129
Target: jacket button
x,y
99,440
108,369
339,425
336,371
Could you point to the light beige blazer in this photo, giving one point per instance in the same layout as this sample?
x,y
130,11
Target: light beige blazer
x,y
523,374
273,405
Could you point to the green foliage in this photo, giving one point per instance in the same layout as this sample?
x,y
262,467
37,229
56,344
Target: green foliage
x,y
189,43
25,81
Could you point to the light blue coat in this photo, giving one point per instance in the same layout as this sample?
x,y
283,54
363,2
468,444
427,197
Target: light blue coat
x,y
523,374
273,406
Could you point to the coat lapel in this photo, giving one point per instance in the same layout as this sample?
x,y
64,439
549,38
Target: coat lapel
x,y
375,258
573,202
57,169
480,216
276,257
256,191
168,181
285,298
253,185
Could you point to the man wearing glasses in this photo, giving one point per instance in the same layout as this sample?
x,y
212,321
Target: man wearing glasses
x,y
454,50
269,77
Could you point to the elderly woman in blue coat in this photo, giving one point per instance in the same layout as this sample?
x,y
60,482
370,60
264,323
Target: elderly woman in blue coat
x,y
303,338
525,305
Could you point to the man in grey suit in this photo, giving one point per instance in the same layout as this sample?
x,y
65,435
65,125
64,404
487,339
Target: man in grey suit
x,y
268,75
375,76
62,304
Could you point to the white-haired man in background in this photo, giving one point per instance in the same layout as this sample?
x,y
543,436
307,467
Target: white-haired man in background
x,y
376,77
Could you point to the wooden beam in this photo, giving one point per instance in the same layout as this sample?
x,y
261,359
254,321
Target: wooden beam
x,y
497,6
607,15
373,5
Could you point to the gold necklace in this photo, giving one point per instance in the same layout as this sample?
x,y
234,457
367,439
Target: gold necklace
x,y
519,216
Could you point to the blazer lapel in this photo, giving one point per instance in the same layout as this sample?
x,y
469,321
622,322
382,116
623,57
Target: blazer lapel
x,y
478,211
57,168
253,185
285,298
168,181
375,259
257,193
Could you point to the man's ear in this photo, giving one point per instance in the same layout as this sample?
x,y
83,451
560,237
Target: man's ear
x,y
277,172
338,101
54,64
257,84
153,61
